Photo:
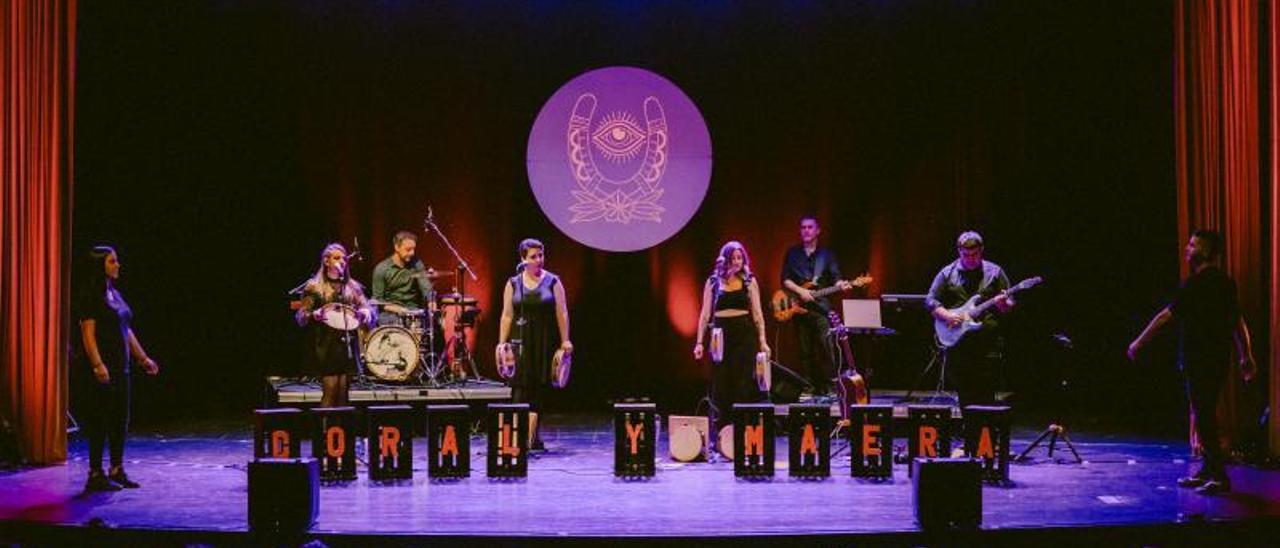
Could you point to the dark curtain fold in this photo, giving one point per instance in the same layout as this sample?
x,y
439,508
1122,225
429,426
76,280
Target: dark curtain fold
x,y
1218,113
37,38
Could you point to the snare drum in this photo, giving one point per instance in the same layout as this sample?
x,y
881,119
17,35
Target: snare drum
x,y
340,316
391,353
415,320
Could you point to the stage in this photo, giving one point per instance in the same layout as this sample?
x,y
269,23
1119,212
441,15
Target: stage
x,y
195,488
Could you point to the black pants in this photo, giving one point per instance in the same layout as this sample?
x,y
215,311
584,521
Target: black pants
x,y
733,379
1204,386
104,416
973,367
815,360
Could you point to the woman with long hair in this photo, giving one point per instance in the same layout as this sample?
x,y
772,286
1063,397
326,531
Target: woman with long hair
x,y
332,350
110,347
535,320
731,304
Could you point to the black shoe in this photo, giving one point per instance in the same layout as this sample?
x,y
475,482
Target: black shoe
x,y
1214,487
98,482
122,479
537,445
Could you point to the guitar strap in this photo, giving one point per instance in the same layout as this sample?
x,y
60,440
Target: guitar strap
x,y
819,264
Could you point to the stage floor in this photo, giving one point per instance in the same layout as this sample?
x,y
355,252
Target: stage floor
x,y
195,479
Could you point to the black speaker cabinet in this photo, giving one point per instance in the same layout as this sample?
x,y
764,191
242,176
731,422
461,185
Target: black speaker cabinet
x,y
284,495
947,493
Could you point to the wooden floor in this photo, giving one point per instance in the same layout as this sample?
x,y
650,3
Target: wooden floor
x,y
194,480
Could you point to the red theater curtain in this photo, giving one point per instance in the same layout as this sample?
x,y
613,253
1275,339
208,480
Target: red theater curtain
x,y
37,41
1273,186
1219,162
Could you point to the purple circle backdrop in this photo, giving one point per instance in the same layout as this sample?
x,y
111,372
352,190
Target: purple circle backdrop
x,y
619,159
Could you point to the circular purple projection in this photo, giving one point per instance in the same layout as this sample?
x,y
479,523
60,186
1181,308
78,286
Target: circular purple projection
x,y
619,159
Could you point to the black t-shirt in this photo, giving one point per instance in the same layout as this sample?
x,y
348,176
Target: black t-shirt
x,y
1207,312
821,268
112,317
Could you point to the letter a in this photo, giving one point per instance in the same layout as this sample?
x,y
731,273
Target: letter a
x,y
984,445
449,443
808,442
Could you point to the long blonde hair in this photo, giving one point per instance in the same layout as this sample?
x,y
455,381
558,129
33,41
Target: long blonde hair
x,y
726,253
351,292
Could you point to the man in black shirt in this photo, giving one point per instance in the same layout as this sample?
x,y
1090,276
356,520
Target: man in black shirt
x,y
1209,325
400,281
973,363
807,267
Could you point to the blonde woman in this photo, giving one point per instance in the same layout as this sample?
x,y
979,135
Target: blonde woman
x,y
331,352
731,304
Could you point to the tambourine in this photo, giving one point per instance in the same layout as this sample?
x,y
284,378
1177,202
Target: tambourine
x,y
505,358
340,316
717,345
764,372
561,366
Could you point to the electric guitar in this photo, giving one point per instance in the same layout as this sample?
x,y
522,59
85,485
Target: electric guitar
x,y
786,304
948,336
850,387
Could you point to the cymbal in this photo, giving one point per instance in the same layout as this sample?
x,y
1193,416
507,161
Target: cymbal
x,y
433,275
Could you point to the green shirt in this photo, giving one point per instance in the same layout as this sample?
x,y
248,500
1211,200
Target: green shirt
x,y
397,284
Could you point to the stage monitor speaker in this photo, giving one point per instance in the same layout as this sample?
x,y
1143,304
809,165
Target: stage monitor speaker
x,y
284,495
947,493
787,385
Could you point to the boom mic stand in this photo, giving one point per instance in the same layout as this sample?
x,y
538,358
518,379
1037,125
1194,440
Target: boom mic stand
x,y
430,226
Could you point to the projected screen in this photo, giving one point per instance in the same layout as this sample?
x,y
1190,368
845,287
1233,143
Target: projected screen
x,y
619,159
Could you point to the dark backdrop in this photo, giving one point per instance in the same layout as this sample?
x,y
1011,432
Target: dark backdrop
x,y
221,144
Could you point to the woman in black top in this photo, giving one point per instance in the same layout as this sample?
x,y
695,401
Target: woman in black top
x,y
535,321
109,346
732,296
332,352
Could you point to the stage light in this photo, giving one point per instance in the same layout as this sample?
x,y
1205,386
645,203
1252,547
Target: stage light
x,y
871,441
333,442
986,438
390,442
753,440
929,432
509,432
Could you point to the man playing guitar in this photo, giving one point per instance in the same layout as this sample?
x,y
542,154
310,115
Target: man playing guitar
x,y
807,269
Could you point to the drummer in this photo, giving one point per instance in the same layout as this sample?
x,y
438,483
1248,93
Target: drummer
x,y
401,282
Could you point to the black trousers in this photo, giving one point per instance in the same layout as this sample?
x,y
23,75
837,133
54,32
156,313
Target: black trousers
x,y
733,379
973,367
815,360
104,415
1204,387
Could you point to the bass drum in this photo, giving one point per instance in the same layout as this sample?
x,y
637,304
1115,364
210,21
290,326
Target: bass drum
x,y
391,353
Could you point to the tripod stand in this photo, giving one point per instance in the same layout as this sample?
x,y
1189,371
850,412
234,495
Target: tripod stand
x,y
1056,430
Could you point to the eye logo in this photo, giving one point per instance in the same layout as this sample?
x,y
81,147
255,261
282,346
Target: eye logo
x,y
619,159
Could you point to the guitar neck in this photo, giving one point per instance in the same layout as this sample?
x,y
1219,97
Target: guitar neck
x,y
825,291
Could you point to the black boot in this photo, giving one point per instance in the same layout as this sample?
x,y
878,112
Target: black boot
x,y
122,479
99,482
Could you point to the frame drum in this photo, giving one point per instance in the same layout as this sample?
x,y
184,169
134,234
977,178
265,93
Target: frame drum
x,y
391,353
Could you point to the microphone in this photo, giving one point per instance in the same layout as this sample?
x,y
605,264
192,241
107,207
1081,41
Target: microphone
x,y
520,266
1063,340
355,243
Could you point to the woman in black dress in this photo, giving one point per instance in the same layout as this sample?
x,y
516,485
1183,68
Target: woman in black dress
x,y
731,302
331,351
109,348
535,322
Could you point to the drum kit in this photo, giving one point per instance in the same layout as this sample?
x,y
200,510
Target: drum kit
x,y
406,350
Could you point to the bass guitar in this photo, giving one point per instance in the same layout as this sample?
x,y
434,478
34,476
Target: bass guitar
x,y
786,304
850,387
948,335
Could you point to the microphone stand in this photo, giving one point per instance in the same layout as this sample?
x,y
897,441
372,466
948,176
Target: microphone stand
x,y
713,412
429,225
